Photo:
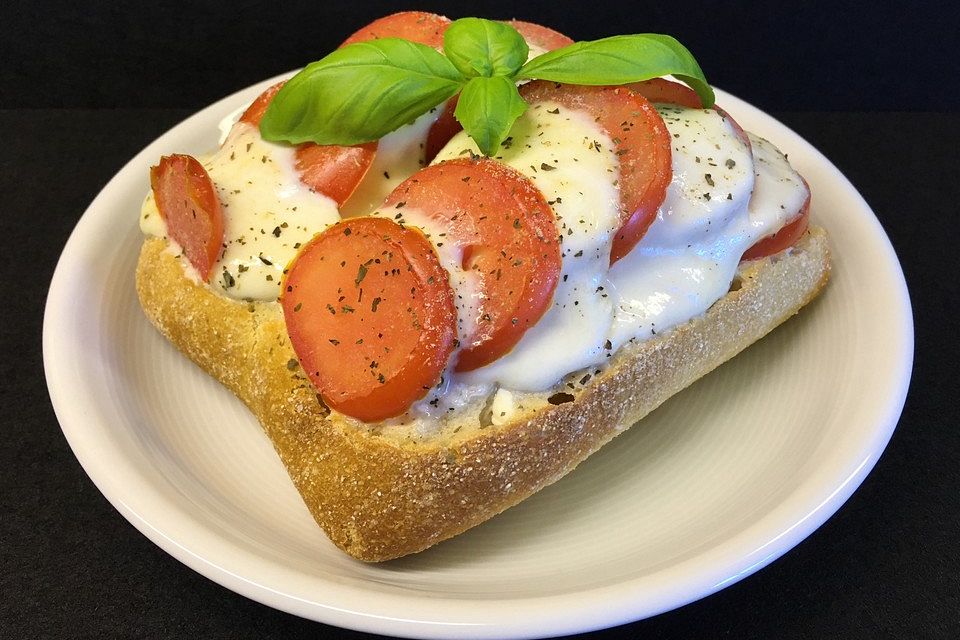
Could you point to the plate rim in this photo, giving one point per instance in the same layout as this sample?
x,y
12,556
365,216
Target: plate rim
x,y
562,614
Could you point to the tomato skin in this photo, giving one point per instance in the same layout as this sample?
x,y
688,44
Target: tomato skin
x,y
370,314
443,130
660,90
418,26
254,113
786,237
509,238
642,146
538,35
188,203
333,170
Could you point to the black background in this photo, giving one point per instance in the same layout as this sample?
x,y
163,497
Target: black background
x,y
84,86
782,56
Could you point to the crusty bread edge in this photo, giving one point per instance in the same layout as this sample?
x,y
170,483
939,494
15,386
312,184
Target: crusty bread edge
x,y
377,498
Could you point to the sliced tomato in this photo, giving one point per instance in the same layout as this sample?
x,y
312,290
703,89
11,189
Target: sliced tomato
x,y
660,90
188,203
254,113
540,36
371,317
509,238
418,26
641,142
441,131
786,237
333,170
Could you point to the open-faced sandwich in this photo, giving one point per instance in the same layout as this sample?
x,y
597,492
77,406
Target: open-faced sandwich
x,y
446,263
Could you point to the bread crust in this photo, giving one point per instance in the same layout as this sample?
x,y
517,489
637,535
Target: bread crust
x,y
379,497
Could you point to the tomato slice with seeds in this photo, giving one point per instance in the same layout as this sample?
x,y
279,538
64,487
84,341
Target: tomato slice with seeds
x,y
418,26
370,315
333,170
188,203
509,238
641,142
540,36
786,237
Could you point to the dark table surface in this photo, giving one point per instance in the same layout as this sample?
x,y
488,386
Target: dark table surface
x,y
886,565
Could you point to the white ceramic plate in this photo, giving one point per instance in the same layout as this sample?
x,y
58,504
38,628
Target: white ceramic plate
x,y
714,485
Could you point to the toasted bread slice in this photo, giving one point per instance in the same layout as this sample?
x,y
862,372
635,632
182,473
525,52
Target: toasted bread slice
x,y
384,492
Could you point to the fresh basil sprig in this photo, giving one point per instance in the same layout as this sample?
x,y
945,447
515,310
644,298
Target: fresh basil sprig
x,y
487,109
360,93
614,60
365,90
485,48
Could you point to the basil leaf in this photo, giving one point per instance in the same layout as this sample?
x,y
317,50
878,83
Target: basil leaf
x,y
478,47
620,60
360,93
487,109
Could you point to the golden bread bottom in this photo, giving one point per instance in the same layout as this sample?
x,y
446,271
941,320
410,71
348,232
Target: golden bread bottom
x,y
384,493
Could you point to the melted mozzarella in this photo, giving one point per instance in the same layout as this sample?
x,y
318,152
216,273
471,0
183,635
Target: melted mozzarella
x,y
712,178
779,192
573,164
400,154
151,224
719,203
225,126
688,257
268,214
